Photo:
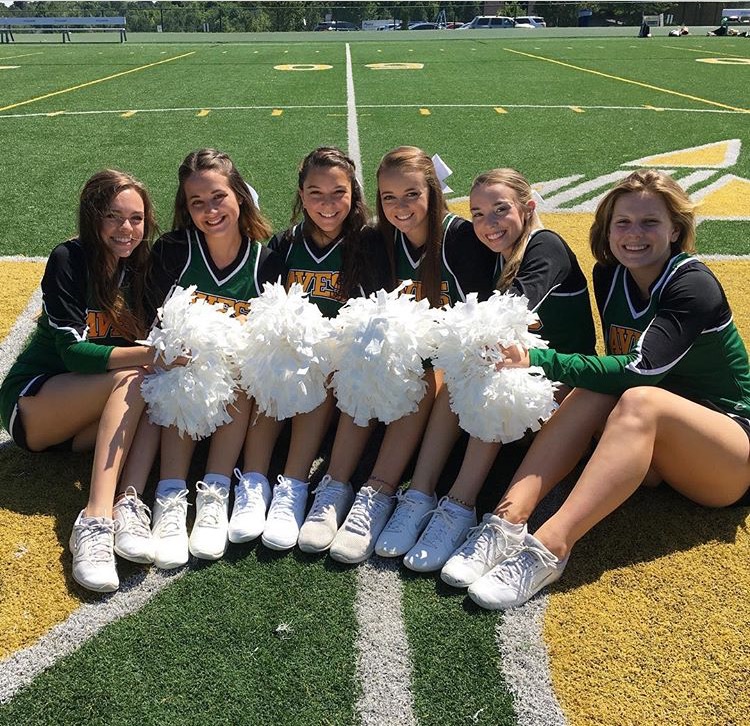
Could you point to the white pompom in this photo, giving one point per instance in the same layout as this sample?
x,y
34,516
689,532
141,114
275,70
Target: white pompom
x,y
380,343
284,338
194,397
492,405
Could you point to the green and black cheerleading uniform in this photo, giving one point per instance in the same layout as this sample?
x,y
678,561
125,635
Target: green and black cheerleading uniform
x,y
182,258
682,338
318,269
71,334
466,265
551,279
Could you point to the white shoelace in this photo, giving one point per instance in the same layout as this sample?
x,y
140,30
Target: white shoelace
x,y
94,540
520,570
285,496
443,520
211,508
326,496
135,514
172,519
486,541
366,507
404,513
245,489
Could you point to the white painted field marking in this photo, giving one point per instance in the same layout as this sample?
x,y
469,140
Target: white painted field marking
x,y
352,130
22,55
8,68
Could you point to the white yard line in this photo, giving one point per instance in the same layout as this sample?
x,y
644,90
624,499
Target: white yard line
x,y
19,670
352,130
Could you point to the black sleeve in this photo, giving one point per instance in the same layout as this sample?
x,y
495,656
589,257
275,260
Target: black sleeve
x,y
64,289
168,259
545,266
271,267
281,243
379,271
472,262
602,276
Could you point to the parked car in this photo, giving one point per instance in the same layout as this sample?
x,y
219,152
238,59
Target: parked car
x,y
336,25
530,21
425,26
488,22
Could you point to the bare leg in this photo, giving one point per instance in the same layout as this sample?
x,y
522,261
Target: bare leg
x,y
141,456
176,453
699,452
478,460
348,447
261,438
401,439
557,448
226,441
440,437
308,430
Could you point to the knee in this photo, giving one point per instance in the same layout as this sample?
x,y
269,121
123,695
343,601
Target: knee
x,y
129,378
635,408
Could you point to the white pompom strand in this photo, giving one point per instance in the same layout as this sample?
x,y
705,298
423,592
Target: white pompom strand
x,y
194,397
492,405
284,344
380,343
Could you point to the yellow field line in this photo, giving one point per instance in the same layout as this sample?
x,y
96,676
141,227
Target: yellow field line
x,y
626,80
98,80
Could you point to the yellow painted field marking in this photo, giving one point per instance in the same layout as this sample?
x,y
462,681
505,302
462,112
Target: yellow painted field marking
x,y
500,109
395,66
95,81
576,109
424,112
277,112
303,67
203,112
128,114
626,80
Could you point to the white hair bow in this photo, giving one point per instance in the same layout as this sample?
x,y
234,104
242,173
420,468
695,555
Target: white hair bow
x,y
443,172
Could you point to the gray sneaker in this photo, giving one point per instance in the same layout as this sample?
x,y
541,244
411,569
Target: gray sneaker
x,y
355,541
333,500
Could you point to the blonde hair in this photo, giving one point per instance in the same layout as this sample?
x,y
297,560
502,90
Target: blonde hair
x,y
409,159
680,207
521,188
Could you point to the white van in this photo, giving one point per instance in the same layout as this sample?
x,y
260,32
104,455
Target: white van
x,y
530,21
488,22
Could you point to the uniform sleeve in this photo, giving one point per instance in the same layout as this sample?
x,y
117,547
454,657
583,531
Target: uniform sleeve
x,y
168,260
271,267
545,265
380,273
472,262
691,302
64,300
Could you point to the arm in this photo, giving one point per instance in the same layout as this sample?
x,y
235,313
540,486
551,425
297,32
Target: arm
x,y
472,262
271,267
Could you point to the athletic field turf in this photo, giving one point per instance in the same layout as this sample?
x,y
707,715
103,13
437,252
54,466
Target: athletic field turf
x,y
648,626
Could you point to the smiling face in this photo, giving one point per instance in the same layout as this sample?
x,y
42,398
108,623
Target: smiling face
x,y
498,217
641,233
326,196
121,227
213,206
405,198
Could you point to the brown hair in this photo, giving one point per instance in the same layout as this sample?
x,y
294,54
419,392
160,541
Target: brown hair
x,y
97,195
355,266
679,205
520,186
408,159
251,222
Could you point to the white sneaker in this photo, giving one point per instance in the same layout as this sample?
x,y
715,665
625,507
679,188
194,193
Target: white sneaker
x,y
370,512
446,530
92,545
169,528
208,540
252,495
286,514
333,500
133,539
406,523
517,579
487,545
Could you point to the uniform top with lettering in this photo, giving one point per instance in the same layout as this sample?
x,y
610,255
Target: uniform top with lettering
x,y
682,338
317,269
182,258
466,264
551,279
71,335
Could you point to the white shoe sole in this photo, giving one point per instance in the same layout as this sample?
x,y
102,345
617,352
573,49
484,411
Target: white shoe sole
x,y
277,546
143,559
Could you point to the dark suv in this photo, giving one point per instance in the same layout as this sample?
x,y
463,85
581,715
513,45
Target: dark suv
x,y
336,25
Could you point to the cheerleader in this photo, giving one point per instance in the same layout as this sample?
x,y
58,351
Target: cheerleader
x,y
669,401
